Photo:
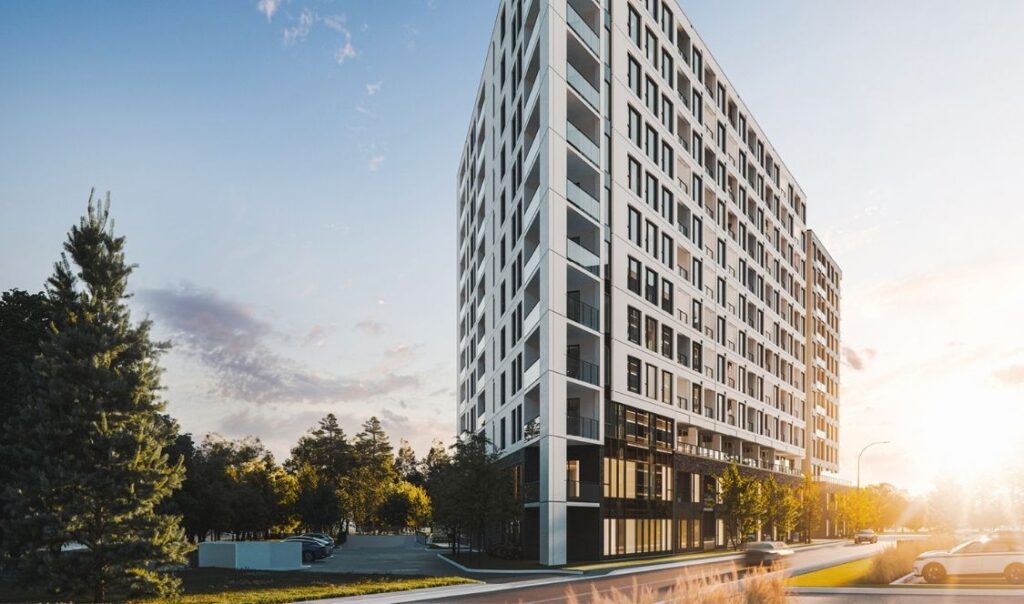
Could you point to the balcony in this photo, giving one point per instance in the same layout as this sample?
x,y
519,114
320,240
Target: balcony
x,y
582,143
583,313
578,490
707,453
580,84
581,370
584,427
582,29
583,257
583,200
532,373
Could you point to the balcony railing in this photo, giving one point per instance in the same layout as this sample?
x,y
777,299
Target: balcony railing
x,y
581,370
582,29
583,86
582,256
577,490
582,142
582,313
585,427
582,200
715,454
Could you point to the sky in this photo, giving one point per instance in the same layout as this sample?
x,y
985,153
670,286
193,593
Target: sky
x,y
284,172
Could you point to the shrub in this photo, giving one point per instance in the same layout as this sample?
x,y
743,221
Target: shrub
x,y
506,551
759,586
895,562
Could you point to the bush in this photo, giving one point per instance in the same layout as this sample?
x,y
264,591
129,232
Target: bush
x,y
505,551
896,562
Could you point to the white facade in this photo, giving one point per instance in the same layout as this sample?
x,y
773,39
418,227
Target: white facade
x,y
631,253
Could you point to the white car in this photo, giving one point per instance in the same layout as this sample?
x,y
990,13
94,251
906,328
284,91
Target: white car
x,y
982,557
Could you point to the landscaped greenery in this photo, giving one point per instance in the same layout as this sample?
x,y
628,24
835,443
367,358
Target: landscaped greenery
x,y
841,575
214,585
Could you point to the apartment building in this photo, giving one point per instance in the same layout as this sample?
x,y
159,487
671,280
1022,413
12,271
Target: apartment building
x,y
823,277
632,280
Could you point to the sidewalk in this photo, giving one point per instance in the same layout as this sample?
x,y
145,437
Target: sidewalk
x,y
629,566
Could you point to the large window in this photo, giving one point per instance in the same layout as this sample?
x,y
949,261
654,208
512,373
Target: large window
x,y
634,227
651,333
633,324
633,278
652,379
633,374
635,125
634,26
651,289
635,77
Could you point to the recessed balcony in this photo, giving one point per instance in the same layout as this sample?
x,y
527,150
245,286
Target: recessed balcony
x,y
583,18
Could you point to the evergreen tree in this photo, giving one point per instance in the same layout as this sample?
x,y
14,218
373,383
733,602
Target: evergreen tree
x,y
366,486
320,461
406,466
92,468
24,321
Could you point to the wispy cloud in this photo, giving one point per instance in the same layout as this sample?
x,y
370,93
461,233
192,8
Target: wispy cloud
x,y
300,31
268,8
372,89
375,162
857,360
228,339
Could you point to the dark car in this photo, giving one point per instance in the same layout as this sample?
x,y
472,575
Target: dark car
x,y
760,553
312,549
320,536
865,536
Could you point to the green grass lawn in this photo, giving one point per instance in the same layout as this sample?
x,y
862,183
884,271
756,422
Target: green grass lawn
x,y
842,575
217,585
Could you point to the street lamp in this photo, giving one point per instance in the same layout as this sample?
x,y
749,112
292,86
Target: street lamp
x,y
866,447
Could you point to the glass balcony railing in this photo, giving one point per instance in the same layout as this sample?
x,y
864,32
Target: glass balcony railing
x,y
581,370
583,200
582,29
582,256
582,86
586,427
582,142
582,313
579,490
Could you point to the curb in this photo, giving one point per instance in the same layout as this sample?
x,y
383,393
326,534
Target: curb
x,y
496,571
908,591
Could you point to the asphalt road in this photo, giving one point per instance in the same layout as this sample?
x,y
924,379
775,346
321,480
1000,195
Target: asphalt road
x,y
660,580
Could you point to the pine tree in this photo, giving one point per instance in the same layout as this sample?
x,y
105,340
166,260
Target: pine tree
x,y
93,469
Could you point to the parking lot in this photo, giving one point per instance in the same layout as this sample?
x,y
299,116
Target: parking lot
x,y
384,554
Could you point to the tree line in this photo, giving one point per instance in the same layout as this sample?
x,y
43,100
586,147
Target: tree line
x,y
754,506
92,460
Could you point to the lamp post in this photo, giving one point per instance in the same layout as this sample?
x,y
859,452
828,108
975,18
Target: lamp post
x,y
866,447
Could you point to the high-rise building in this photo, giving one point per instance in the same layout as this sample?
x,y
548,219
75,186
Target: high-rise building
x,y
632,298
822,278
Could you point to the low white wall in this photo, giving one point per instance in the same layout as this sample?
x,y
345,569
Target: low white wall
x,y
251,555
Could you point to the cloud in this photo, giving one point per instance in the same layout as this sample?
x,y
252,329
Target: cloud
x,y
370,326
372,89
857,360
1010,376
346,51
317,335
300,31
375,162
230,342
268,8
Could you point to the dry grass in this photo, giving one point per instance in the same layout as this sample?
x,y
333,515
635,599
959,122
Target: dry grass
x,y
758,586
895,562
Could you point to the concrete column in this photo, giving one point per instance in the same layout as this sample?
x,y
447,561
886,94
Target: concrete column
x,y
552,501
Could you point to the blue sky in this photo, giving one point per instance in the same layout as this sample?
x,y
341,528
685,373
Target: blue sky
x,y
285,179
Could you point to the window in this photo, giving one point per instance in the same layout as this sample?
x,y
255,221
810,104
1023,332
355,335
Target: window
x,y
634,226
667,247
668,165
633,374
651,333
667,204
633,324
634,26
635,75
668,71
668,116
651,47
633,279
667,340
651,144
651,291
666,387
652,97
652,382
667,296
635,124
651,239
634,176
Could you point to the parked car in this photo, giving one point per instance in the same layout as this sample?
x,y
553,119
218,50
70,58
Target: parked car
x,y
865,536
759,553
320,536
312,548
982,557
